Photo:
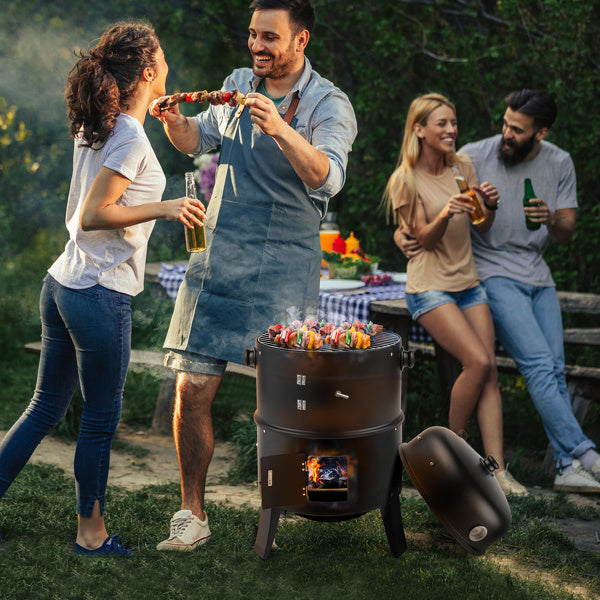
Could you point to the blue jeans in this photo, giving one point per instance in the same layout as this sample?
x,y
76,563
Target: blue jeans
x,y
86,339
528,323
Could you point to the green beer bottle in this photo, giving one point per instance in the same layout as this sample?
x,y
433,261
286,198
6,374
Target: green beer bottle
x,y
527,201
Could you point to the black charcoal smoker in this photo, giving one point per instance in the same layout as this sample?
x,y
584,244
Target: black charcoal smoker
x,y
329,439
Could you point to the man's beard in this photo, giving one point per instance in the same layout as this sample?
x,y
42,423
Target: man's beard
x,y
279,69
518,152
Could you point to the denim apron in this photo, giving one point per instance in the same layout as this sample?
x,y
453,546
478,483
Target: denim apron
x,y
262,262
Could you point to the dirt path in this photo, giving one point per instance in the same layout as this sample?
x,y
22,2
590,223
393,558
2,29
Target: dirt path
x,y
158,466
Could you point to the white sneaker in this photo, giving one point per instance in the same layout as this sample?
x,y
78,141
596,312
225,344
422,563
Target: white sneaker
x,y
509,484
187,532
578,480
594,470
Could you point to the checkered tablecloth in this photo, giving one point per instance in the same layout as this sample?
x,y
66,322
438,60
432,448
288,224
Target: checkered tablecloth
x,y
337,307
171,276
334,307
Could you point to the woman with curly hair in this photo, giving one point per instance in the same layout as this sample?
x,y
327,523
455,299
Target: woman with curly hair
x,y
114,199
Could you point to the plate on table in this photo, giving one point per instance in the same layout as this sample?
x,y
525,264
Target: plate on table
x,y
331,285
398,277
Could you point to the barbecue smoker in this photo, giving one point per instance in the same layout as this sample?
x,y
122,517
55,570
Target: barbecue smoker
x,y
329,439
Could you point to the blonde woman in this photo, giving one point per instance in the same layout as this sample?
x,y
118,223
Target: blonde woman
x,y
443,290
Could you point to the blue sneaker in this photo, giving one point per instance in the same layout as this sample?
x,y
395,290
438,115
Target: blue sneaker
x,y
112,546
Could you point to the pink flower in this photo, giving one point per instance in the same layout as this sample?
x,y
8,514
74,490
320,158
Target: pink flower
x,y
205,175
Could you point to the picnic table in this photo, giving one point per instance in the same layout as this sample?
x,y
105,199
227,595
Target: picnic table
x,y
339,301
336,304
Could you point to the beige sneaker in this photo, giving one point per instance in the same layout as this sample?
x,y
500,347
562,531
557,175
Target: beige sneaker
x,y
578,480
594,470
187,532
510,485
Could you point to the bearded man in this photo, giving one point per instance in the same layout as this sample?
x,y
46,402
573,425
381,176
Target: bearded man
x,y
282,156
518,282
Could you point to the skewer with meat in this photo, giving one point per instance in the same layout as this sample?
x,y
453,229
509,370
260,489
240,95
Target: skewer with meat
x,y
293,337
311,335
348,338
217,97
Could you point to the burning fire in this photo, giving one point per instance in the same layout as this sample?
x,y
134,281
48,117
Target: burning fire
x,y
327,471
313,464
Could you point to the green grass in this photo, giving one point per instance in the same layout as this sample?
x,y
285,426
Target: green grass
x,y
323,561
316,560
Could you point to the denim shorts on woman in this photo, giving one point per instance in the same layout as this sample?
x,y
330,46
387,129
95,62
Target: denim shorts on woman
x,y
419,304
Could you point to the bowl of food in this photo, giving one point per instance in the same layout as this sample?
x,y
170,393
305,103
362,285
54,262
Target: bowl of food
x,y
351,265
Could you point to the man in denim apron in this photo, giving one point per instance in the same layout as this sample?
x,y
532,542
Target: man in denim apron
x,y
282,156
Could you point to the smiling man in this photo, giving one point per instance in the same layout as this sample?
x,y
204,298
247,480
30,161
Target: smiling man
x,y
517,280
282,156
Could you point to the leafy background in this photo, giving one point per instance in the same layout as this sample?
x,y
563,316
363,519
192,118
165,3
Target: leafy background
x,y
382,53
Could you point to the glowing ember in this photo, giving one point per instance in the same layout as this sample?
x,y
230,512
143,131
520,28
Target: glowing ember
x,y
327,472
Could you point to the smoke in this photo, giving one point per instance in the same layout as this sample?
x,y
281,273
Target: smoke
x,y
35,60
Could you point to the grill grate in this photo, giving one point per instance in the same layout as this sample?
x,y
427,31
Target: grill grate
x,y
383,339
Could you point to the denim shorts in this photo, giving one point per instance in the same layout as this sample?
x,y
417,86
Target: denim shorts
x,y
190,362
419,304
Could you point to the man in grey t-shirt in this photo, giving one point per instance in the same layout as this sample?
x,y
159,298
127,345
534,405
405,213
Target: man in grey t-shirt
x,y
517,280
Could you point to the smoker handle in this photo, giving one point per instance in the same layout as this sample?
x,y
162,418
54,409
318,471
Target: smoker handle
x,y
407,359
250,357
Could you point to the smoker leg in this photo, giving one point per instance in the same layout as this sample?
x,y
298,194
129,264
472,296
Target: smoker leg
x,y
267,524
392,521
392,514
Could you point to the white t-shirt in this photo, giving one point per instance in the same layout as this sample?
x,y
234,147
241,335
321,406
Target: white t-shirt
x,y
509,249
114,258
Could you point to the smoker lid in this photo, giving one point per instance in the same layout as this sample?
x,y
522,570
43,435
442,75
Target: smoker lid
x,y
459,486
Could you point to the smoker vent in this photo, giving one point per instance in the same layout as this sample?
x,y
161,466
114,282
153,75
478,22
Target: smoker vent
x,y
382,340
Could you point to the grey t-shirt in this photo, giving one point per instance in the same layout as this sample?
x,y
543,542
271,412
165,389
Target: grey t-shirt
x,y
509,249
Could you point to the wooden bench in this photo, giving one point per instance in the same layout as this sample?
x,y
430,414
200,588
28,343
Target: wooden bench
x,y
152,361
583,382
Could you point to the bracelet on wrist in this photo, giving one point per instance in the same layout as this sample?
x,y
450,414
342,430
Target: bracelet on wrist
x,y
491,206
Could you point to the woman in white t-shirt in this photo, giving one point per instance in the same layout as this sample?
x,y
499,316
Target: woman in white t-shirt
x,y
114,198
443,292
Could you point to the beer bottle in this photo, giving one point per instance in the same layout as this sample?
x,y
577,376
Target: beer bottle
x,y
478,216
528,196
195,239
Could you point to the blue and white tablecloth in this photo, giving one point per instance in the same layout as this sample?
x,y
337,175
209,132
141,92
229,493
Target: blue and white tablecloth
x,y
171,276
334,307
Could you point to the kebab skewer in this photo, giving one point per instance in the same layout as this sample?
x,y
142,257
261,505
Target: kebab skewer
x,y
202,96
311,335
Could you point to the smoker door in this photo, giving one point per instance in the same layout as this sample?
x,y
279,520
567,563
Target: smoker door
x,y
283,480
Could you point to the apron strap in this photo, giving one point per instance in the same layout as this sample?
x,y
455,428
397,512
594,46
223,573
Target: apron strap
x,y
291,111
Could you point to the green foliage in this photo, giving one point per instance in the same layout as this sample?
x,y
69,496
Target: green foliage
x,y
243,439
381,53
